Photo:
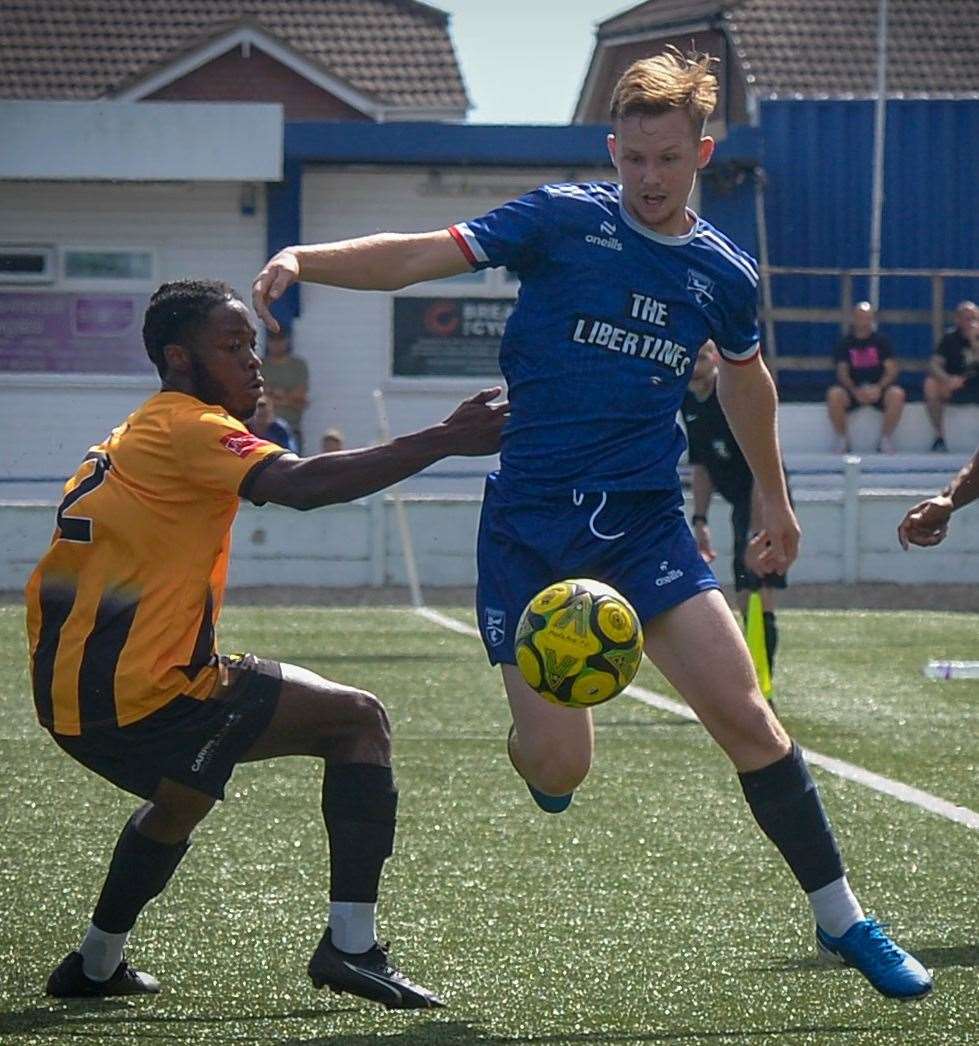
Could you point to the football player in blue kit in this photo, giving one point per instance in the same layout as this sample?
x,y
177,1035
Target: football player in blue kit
x,y
620,284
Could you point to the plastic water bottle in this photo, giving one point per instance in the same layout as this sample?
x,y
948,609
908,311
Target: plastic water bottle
x,y
952,670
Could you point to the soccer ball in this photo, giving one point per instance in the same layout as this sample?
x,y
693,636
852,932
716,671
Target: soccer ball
x,y
579,643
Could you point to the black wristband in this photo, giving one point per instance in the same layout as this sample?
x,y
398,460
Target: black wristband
x,y
698,518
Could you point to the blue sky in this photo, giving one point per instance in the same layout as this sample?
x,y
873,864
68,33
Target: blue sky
x,y
524,60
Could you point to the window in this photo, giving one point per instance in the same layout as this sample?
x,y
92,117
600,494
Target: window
x,y
26,264
119,266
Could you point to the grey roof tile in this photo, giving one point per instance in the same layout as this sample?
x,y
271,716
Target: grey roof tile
x,y
828,47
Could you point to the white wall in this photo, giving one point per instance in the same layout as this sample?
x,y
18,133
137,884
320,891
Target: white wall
x,y
346,336
159,140
805,429
196,229
358,544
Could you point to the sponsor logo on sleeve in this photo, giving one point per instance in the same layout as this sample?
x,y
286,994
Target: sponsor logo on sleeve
x,y
241,443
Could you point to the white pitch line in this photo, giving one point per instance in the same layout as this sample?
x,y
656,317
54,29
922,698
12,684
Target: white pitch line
x,y
885,785
879,783
447,622
906,794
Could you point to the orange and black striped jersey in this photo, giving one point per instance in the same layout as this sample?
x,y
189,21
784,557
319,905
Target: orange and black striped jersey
x,y
122,607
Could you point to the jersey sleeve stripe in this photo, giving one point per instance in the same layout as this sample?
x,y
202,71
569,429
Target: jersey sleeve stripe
x,y
741,358
245,487
468,243
737,260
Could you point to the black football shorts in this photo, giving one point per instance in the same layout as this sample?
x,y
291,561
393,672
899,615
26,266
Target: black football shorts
x,y
196,743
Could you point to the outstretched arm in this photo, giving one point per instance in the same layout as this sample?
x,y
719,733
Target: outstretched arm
x,y
472,429
385,262
927,523
747,394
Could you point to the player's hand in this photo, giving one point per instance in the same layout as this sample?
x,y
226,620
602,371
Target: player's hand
x,y
704,546
474,427
871,394
955,382
926,524
753,559
778,539
279,274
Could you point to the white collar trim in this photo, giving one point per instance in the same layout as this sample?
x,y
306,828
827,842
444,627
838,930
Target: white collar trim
x,y
658,237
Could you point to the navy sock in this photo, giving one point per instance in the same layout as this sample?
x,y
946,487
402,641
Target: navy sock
x,y
787,807
360,803
139,870
771,638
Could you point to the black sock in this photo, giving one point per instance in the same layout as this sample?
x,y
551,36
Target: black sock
x,y
787,807
139,870
771,638
360,802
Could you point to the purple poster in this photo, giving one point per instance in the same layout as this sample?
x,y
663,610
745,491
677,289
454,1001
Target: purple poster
x,y
65,333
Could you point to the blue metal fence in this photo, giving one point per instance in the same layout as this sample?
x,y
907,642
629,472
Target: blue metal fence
x,y
817,161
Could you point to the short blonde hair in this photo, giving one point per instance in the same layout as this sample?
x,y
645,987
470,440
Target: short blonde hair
x,y
671,80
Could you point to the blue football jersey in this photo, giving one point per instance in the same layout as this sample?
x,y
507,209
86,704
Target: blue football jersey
x,y
609,318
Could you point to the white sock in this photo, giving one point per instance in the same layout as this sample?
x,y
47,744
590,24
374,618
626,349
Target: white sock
x,y
101,952
352,925
835,907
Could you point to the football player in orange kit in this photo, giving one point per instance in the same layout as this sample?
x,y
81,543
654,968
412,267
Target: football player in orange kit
x,y
121,612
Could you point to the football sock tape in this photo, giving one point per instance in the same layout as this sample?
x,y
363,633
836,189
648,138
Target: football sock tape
x,y
835,907
101,952
360,803
139,870
787,807
352,926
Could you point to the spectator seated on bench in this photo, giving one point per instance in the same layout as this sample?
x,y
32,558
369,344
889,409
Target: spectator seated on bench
x,y
954,370
866,375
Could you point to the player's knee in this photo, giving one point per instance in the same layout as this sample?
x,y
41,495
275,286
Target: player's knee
x,y
341,722
555,773
358,728
759,726
172,817
836,396
372,716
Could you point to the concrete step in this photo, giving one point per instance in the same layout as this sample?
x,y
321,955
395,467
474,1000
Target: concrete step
x,y
805,428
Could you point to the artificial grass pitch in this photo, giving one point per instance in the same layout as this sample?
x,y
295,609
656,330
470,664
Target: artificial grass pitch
x,y
653,911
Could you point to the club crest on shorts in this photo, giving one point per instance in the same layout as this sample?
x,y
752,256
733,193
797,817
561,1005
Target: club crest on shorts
x,y
495,626
700,286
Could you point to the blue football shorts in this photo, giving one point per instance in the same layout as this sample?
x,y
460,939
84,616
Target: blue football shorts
x,y
636,541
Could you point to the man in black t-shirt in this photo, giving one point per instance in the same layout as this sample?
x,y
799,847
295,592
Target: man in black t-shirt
x,y
866,375
718,464
954,367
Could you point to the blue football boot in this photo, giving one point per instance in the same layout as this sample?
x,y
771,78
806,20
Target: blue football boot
x,y
888,968
550,804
